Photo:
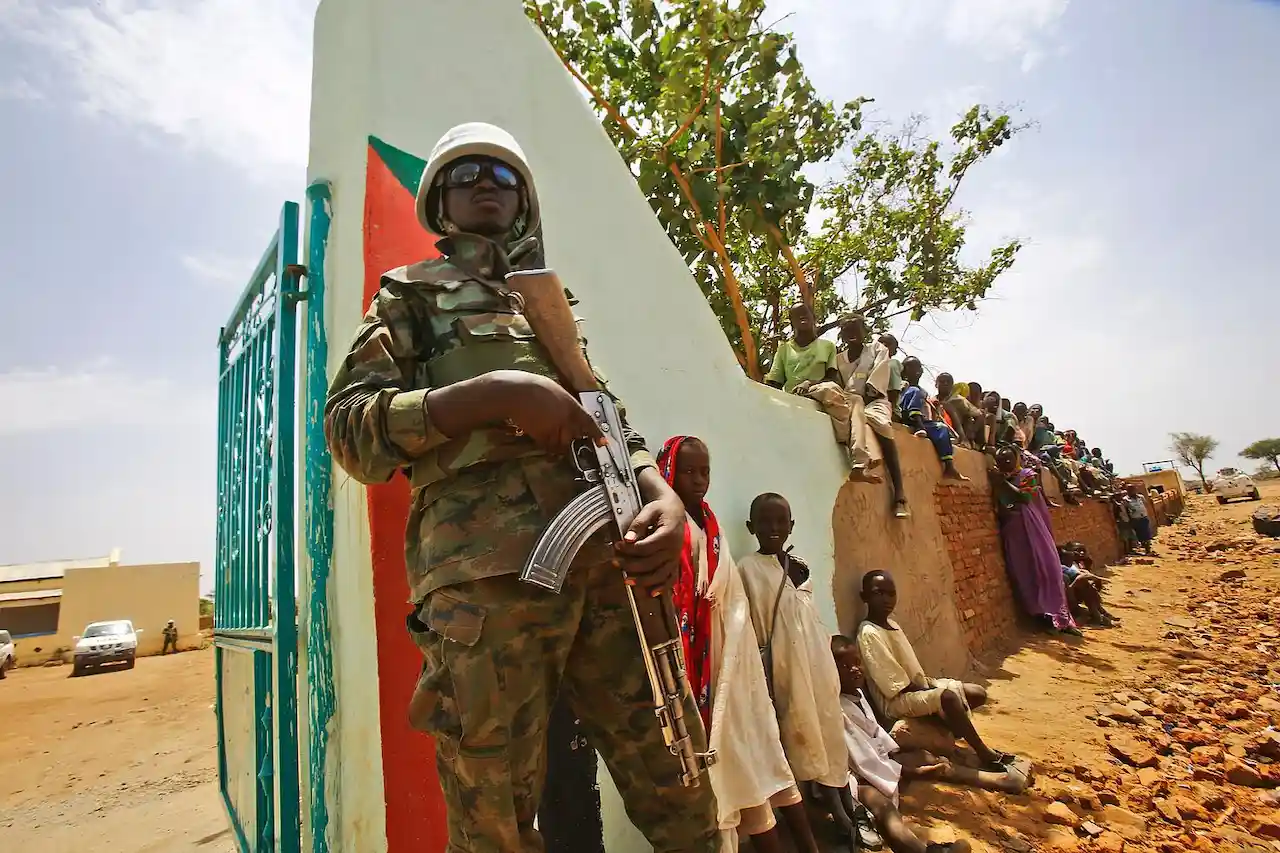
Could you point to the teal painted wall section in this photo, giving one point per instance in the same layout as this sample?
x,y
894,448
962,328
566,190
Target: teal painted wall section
x,y
318,521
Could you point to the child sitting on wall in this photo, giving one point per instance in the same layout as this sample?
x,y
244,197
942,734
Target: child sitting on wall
x,y
805,360
865,373
897,683
918,413
795,648
751,776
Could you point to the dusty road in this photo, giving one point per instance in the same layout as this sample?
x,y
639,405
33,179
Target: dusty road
x,y
118,760
1188,684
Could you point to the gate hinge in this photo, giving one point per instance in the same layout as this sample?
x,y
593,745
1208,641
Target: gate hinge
x,y
296,273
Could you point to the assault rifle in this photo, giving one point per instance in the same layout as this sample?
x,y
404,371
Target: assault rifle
x,y
612,495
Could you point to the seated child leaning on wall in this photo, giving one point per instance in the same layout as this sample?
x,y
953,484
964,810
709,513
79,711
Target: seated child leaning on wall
x,y
751,776
919,414
897,683
1084,589
877,768
795,648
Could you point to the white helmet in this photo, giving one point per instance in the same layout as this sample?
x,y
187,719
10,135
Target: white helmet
x,y
468,140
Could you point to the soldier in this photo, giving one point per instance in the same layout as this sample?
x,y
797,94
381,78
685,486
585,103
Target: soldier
x,y
170,638
446,381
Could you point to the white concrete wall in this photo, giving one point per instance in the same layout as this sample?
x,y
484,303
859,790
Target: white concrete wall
x,y
398,69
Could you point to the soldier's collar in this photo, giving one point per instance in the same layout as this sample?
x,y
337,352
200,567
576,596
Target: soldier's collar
x,y
474,254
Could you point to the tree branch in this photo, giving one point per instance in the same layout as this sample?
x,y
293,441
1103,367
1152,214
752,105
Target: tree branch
x,y
591,90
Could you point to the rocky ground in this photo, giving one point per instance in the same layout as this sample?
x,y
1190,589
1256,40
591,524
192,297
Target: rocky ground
x,y
1157,735
1162,734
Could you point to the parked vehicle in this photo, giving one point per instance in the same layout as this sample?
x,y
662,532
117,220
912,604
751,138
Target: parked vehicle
x,y
105,643
8,654
1231,484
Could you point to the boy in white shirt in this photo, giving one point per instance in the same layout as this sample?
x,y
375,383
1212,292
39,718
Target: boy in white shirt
x,y
876,767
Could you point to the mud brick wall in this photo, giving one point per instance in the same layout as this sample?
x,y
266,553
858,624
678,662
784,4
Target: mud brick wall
x,y
1093,523
983,596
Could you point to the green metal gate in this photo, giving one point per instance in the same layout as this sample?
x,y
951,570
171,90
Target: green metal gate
x,y
255,612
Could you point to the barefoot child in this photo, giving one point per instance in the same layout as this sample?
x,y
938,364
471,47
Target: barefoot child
x,y
898,684
750,775
918,413
1084,589
796,651
876,766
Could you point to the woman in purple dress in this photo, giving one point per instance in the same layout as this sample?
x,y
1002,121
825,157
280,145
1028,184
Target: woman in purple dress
x,y
1030,553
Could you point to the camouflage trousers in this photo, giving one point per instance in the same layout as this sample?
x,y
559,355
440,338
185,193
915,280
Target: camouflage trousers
x,y
496,652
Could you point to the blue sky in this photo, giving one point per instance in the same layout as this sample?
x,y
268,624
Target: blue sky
x,y
145,149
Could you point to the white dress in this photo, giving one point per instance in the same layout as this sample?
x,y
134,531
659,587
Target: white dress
x,y
870,748
750,765
806,682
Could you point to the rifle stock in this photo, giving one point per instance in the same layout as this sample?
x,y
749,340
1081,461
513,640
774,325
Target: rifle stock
x,y
613,493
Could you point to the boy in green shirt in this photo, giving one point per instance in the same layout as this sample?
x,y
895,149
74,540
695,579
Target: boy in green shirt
x,y
805,360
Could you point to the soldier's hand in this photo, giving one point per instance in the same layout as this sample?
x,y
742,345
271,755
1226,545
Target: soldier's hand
x,y
651,548
543,410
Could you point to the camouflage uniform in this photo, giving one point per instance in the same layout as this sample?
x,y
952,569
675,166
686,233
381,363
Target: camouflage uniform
x,y
497,650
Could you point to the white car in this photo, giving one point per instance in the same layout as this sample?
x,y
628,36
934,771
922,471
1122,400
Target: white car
x,y
8,656
1231,484
105,643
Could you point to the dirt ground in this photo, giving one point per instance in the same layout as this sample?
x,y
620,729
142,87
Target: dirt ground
x,y
119,760
1188,684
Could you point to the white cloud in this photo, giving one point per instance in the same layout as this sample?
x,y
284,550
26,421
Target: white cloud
x,y
226,77
19,90
1004,27
994,29
218,271
95,396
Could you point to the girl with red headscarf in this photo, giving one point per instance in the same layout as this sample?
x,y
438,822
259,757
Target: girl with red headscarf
x,y
751,773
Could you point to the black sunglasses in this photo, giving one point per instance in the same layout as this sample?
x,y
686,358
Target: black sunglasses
x,y
470,172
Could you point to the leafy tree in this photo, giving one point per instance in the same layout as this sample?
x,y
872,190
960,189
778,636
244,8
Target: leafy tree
x,y
712,111
1193,450
1267,448
206,607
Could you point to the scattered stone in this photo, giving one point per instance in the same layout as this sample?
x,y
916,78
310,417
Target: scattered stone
x,y
1131,750
1182,622
1190,669
1168,811
1140,708
1149,777
1109,842
1123,713
1057,838
1060,813
1091,829
1266,827
1232,575
1188,808
1240,773
1123,822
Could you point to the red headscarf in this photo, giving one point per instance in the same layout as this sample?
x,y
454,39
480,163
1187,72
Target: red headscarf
x,y
693,609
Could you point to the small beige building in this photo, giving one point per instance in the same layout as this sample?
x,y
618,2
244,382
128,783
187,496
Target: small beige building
x,y
45,606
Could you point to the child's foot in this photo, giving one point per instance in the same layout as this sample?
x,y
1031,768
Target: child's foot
x,y
950,472
900,509
862,475
1073,631
921,434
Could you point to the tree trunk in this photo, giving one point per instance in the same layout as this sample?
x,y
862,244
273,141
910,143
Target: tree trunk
x,y
569,815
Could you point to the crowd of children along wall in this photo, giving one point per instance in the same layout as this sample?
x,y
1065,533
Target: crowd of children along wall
x,y
971,514
970,517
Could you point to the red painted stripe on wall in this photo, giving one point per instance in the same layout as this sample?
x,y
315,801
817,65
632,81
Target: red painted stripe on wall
x,y
415,807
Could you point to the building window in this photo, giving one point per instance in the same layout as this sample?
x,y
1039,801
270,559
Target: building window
x,y
38,620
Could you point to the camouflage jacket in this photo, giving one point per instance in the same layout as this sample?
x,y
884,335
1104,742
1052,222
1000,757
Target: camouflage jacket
x,y
479,500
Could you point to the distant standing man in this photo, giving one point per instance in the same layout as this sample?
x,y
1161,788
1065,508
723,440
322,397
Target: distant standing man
x,y
446,382
170,638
